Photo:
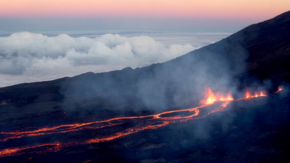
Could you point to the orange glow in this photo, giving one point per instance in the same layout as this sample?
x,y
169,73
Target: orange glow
x,y
213,98
279,89
145,8
248,95
147,122
261,94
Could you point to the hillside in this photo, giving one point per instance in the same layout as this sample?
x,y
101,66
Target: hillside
x,y
48,116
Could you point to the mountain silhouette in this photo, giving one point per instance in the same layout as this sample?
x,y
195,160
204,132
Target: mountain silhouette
x,y
252,131
260,51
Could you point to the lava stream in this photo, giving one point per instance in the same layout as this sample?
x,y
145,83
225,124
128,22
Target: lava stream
x,y
17,135
155,121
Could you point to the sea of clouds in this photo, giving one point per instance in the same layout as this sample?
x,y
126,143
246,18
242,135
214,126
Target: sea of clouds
x,y
30,57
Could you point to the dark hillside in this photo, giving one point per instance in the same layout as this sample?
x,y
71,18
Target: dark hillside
x,y
248,130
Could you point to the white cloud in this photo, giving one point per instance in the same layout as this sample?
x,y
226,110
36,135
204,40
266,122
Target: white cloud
x,y
27,57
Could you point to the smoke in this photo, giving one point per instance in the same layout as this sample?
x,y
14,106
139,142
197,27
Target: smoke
x,y
178,83
25,56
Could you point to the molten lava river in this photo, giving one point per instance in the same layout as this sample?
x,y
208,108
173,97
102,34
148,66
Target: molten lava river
x,y
216,101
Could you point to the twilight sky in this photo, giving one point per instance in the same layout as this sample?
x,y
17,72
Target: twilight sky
x,y
245,9
189,15
49,39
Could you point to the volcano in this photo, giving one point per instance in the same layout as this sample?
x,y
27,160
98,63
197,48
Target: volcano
x,y
168,112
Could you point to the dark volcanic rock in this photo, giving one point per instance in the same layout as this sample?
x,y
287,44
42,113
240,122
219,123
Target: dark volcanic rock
x,y
255,131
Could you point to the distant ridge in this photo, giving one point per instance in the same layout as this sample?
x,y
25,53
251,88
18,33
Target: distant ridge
x,y
267,45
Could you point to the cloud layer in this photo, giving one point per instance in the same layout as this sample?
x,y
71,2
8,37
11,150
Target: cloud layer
x,y
27,57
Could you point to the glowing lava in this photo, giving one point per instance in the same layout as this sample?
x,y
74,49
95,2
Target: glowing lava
x,y
146,122
279,89
256,94
213,98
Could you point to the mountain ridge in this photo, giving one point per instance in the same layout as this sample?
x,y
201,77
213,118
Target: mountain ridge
x,y
264,47
68,111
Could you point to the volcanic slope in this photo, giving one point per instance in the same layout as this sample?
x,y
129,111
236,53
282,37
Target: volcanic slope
x,y
254,130
264,47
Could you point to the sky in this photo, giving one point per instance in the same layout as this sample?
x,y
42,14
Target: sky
x,y
49,39
144,8
186,15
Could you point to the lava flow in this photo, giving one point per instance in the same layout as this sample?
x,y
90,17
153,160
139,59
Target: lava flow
x,y
145,122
